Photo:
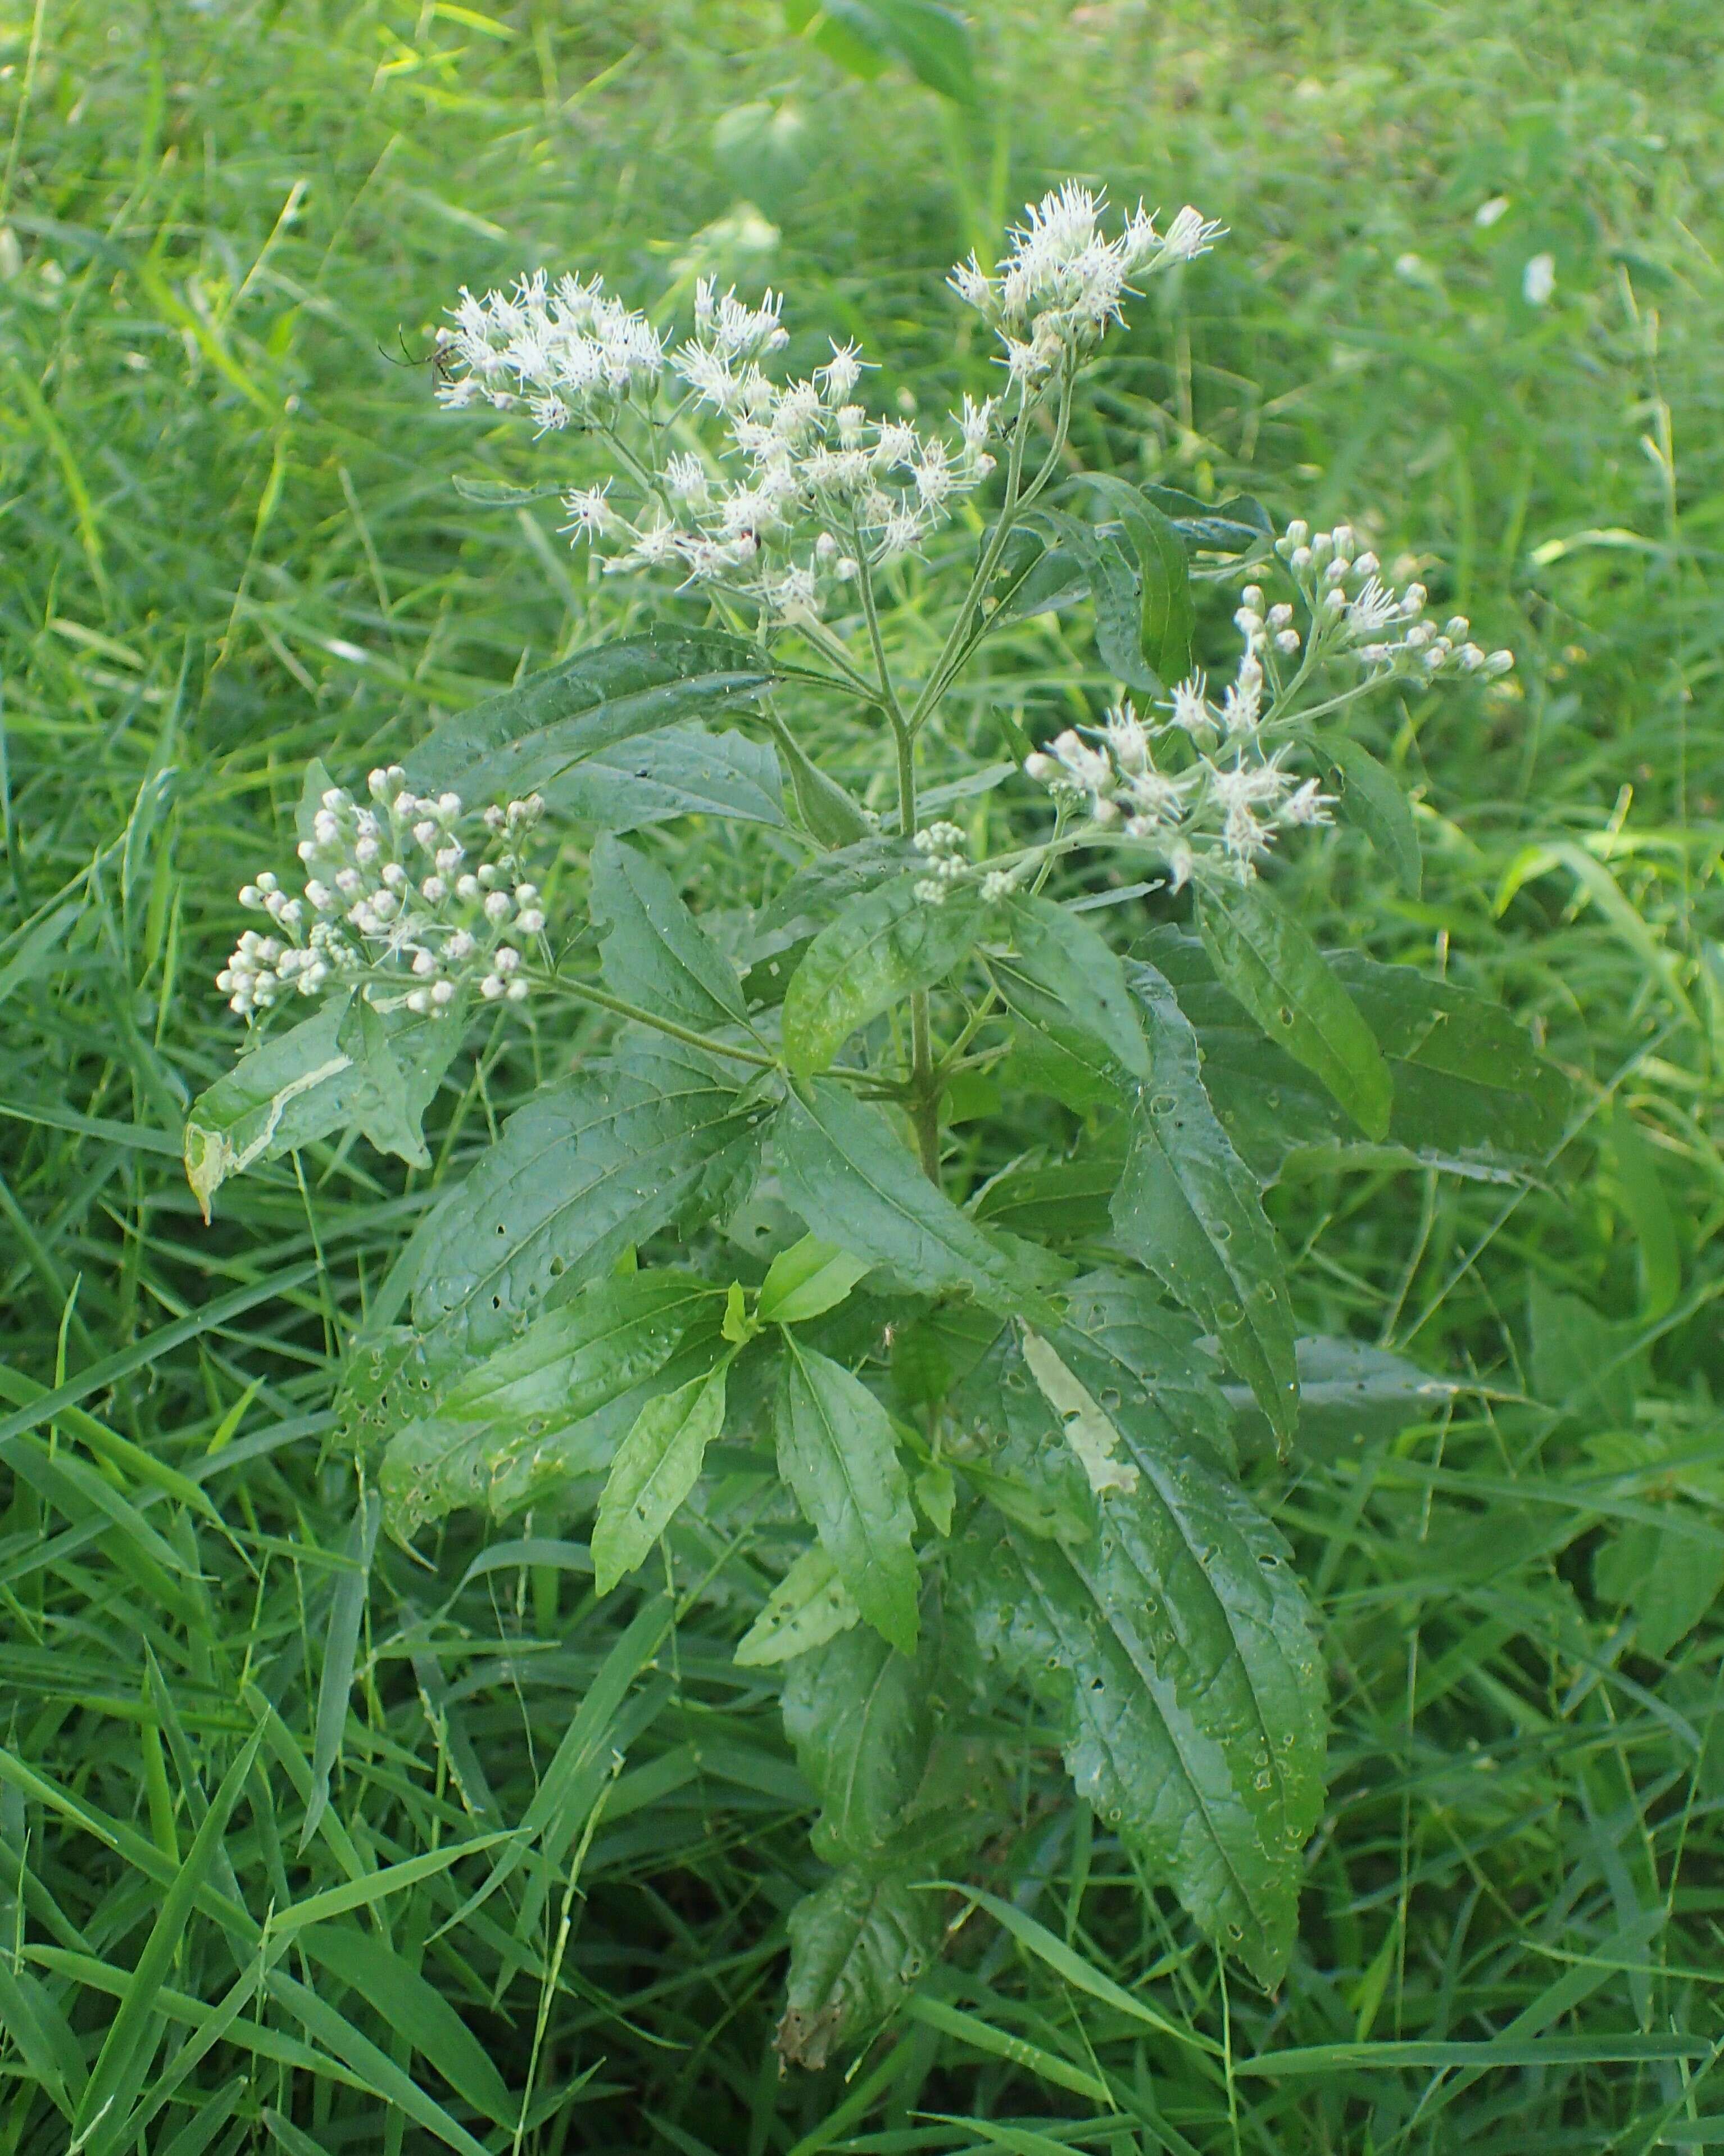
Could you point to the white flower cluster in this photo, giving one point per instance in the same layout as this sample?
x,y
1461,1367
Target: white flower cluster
x,y
1063,280
1225,813
1353,608
570,352
413,898
822,487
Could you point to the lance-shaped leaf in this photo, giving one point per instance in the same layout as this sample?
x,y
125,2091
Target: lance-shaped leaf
x,y
860,1715
1146,1363
843,1170
1115,586
1188,1208
837,1451
857,1946
1374,800
1167,617
1269,961
1174,1637
525,740
585,1169
1060,954
1238,525
882,946
933,41
655,954
656,1466
810,1605
831,813
807,1280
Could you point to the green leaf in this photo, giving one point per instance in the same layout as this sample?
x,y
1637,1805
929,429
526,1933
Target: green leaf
x,y
527,739
864,35
806,1281
1471,1095
294,1088
510,1430
856,1948
830,813
810,1605
1349,1392
585,1170
837,1451
656,1466
1062,956
340,1652
1116,587
1375,800
842,1168
882,946
858,1713
1064,1200
1640,1193
1270,963
1145,1362
390,1379
1174,1636
1669,1581
130,2040
655,954
1188,1207
819,888
684,771
415,2010
1240,525
399,1061
1167,617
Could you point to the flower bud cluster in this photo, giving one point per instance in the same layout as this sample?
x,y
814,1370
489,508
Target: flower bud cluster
x,y
944,849
1063,280
1353,608
1226,814
414,899
567,353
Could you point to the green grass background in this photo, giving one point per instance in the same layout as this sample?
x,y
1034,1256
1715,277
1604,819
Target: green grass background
x,y
230,542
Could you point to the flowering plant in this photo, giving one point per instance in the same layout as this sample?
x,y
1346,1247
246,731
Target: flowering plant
x,y
944,1416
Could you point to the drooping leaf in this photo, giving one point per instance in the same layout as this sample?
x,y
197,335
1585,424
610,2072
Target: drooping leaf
x,y
858,1713
806,1281
1268,960
883,946
837,1451
656,1466
857,1945
842,1168
585,1169
864,36
1173,1635
1373,798
1114,584
528,738
390,1379
1060,954
684,771
809,1606
294,1088
1188,1208
655,954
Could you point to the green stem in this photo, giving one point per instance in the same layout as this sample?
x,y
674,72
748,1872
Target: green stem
x,y
586,992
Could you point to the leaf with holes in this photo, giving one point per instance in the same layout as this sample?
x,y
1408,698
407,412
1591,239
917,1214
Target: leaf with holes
x,y
810,1605
858,1713
857,1945
1189,1208
882,947
1060,954
586,1168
